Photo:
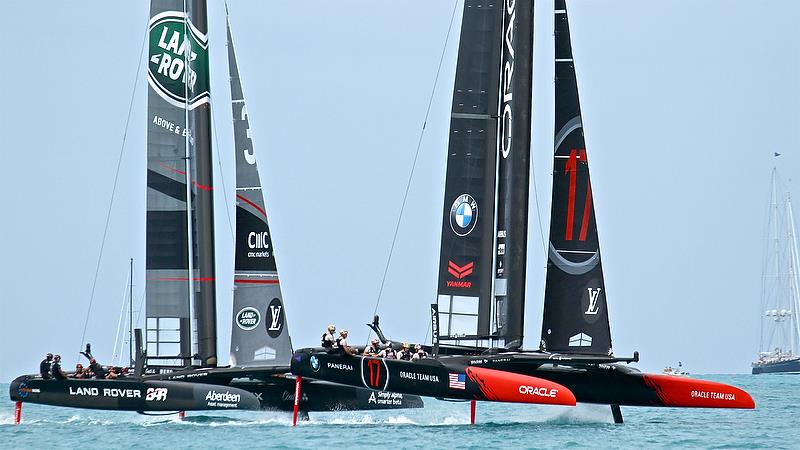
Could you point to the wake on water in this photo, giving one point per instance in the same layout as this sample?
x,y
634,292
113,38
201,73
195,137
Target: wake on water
x,y
438,425
579,414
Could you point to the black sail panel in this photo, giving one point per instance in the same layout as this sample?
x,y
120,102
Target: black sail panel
x,y
465,263
575,309
259,334
513,171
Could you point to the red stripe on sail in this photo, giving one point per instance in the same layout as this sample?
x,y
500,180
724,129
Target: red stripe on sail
x,y
586,211
203,186
586,206
571,168
172,169
252,204
200,186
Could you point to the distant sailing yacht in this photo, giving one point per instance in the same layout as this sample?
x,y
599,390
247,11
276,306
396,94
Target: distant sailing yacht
x,y
780,289
176,366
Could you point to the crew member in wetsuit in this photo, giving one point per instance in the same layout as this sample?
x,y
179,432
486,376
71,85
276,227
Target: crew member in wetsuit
x,y
388,352
112,374
44,366
405,352
329,339
79,373
58,374
419,352
342,343
373,349
98,370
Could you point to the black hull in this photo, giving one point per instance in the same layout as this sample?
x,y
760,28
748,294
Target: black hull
x,y
195,390
131,395
600,380
791,366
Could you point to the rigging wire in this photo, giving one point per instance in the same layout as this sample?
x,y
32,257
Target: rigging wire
x,y
222,175
140,309
117,355
113,190
538,209
414,163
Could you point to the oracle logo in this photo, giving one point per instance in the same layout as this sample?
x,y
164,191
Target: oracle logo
x,y
538,391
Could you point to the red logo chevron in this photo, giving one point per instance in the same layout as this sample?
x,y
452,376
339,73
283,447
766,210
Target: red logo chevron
x,y
460,271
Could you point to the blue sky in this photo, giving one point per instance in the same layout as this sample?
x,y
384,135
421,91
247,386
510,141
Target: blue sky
x,y
683,104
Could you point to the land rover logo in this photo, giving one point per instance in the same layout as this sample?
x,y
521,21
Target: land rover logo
x,y
248,318
314,363
178,60
463,215
274,320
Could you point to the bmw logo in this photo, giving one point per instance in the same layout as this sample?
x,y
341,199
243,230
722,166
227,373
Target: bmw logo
x,y
314,363
463,215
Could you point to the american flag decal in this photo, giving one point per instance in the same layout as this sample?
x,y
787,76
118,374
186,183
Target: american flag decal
x,y
457,381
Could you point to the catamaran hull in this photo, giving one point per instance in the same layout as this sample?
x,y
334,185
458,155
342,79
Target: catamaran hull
x,y
131,395
589,382
206,392
430,378
321,396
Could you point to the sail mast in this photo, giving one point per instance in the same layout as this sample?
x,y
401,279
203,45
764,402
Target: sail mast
x,y
513,170
130,318
793,266
203,201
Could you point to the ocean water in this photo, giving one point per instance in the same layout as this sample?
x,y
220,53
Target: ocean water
x,y
775,423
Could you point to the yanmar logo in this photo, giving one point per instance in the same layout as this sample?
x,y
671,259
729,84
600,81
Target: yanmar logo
x,y
460,272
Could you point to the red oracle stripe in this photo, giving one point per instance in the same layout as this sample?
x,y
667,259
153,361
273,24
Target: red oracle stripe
x,y
571,168
252,204
587,209
171,168
202,186
257,281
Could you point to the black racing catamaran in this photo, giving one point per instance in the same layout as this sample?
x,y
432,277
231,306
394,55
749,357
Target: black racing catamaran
x,y
176,367
478,317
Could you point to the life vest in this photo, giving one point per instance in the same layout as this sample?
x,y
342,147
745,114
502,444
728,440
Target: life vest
x,y
58,374
326,343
